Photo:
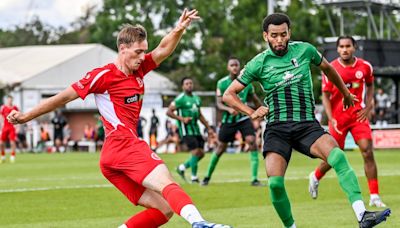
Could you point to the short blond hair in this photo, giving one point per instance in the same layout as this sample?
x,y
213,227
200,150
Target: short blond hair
x,y
130,34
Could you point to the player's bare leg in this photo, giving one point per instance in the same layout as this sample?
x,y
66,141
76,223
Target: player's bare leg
x,y
327,149
371,172
3,152
160,180
253,151
276,166
221,148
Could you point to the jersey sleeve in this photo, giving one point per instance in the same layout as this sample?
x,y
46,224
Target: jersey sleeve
x,y
148,64
313,53
178,102
93,82
219,91
251,89
369,78
327,86
249,72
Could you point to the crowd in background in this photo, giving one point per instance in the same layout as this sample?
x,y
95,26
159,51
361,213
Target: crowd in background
x,y
55,135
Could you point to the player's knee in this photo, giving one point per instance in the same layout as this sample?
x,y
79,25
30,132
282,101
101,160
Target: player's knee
x,y
276,184
168,213
368,154
337,159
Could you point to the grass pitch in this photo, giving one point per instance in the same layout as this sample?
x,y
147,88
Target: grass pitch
x,y
68,190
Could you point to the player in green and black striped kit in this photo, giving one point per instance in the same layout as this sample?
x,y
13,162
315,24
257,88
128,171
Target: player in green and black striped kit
x,y
187,105
283,70
233,121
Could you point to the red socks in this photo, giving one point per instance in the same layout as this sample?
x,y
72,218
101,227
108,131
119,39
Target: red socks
x,y
373,186
176,197
149,218
318,174
3,153
12,153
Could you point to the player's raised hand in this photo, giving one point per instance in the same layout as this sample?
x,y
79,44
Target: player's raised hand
x,y
260,113
335,127
187,17
349,100
14,117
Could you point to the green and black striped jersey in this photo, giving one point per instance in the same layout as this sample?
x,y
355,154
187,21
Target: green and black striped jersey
x,y
286,80
223,85
188,106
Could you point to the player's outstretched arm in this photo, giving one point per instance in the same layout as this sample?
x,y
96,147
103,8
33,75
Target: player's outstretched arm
x,y
334,77
171,40
48,105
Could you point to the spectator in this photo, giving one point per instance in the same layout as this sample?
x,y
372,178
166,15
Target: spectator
x,y
58,122
382,102
172,137
21,137
44,137
141,123
88,132
154,122
212,140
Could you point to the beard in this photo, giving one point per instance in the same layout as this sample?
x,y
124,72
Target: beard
x,y
280,52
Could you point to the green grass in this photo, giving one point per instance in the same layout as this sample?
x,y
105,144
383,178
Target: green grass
x,y
68,190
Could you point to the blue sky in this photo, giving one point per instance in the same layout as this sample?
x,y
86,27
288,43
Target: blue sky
x,y
53,12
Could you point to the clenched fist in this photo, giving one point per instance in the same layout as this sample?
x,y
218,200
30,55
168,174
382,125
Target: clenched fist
x,y
260,113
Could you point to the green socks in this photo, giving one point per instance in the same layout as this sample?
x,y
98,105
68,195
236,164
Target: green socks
x,y
347,178
280,199
193,163
254,165
213,163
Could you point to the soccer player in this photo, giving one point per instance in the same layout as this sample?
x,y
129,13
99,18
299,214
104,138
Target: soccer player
x,y
127,161
8,131
283,70
233,121
357,74
187,104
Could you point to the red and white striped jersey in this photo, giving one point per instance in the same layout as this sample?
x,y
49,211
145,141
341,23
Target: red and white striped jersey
x,y
118,96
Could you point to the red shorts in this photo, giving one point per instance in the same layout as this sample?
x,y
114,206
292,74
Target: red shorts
x,y
359,130
8,133
125,162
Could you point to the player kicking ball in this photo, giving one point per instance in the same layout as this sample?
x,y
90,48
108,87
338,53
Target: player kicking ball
x,y
127,161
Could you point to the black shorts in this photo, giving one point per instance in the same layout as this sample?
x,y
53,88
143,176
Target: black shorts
x,y
193,141
281,138
228,130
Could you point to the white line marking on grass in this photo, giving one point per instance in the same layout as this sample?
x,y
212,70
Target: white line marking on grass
x,y
109,185
55,188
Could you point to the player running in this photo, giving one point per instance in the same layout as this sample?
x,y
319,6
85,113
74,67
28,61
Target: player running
x,y
284,73
8,131
127,161
233,121
187,105
357,74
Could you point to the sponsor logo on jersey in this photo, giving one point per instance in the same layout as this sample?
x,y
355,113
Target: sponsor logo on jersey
x,y
294,62
140,82
134,98
155,157
359,74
